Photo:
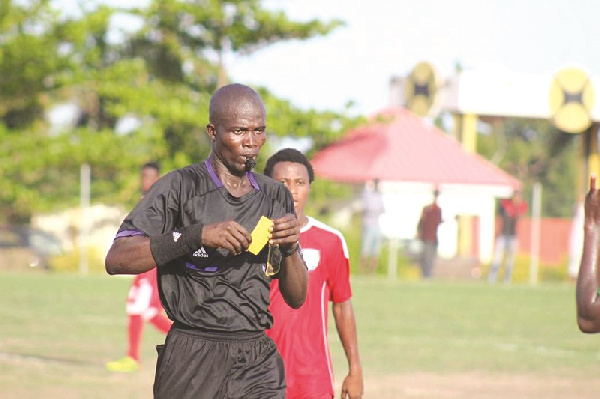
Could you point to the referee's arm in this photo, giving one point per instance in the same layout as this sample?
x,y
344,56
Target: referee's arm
x,y
293,276
293,280
129,255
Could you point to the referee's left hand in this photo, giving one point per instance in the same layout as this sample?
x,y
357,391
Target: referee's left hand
x,y
285,231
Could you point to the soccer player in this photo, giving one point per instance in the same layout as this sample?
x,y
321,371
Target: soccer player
x,y
194,225
143,303
301,335
588,279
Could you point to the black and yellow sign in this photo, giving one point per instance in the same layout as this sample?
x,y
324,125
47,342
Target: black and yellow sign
x,y
571,100
420,89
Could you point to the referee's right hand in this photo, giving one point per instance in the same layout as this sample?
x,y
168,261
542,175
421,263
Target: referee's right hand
x,y
228,235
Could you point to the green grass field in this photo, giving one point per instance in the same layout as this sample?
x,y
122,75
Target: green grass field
x,y
417,339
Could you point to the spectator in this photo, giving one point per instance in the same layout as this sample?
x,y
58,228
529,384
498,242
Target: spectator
x,y
510,212
372,209
431,218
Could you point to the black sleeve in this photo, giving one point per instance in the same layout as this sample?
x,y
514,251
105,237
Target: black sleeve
x,y
159,211
284,202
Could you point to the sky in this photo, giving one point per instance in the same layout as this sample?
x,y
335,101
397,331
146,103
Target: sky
x,y
385,38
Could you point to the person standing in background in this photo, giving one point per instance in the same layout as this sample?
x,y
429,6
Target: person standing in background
x,y
372,209
510,212
143,302
431,218
301,335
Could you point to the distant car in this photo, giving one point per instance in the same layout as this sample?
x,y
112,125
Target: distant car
x,y
25,246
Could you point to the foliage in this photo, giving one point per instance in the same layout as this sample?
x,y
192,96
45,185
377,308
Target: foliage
x,y
195,30
161,76
534,151
69,262
41,172
29,60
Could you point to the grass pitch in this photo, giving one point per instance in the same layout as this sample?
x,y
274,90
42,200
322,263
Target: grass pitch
x,y
417,339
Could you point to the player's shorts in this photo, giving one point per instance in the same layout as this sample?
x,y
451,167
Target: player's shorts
x,y
143,299
195,364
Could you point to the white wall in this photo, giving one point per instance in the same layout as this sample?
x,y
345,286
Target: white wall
x,y
404,202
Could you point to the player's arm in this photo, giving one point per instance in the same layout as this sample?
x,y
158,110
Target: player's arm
x,y
587,296
352,386
293,276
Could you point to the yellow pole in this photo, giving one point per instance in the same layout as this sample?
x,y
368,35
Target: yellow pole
x,y
591,150
469,133
468,138
457,126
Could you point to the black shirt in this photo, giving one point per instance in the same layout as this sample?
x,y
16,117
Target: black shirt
x,y
209,289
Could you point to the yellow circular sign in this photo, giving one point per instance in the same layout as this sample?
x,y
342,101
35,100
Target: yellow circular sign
x,y
571,100
420,89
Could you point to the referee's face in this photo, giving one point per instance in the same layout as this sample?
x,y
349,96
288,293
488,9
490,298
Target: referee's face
x,y
238,135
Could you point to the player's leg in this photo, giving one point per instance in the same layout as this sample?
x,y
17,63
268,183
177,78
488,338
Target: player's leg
x,y
135,330
131,361
161,322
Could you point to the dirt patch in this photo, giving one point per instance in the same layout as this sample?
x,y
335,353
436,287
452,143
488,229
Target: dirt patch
x,y
477,386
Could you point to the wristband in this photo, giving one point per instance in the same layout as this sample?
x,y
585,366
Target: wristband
x,y
175,244
289,252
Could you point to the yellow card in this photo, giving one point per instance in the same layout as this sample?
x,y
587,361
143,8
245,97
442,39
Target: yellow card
x,y
260,235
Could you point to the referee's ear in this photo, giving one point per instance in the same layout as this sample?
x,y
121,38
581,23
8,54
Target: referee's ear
x,y
211,131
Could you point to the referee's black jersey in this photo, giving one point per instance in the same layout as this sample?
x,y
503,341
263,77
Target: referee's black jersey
x,y
209,289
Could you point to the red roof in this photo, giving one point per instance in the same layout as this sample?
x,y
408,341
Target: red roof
x,y
397,145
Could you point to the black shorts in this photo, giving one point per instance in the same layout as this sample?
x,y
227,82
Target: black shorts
x,y
199,365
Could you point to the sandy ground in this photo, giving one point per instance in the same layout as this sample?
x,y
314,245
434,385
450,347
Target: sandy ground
x,y
467,386
136,385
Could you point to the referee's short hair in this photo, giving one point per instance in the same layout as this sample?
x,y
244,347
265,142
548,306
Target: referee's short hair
x,y
289,155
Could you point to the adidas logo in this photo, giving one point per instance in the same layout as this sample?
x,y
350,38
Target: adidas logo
x,y
201,253
176,235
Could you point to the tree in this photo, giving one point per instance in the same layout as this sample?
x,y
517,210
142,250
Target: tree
x,y
181,40
29,61
162,75
535,151
195,29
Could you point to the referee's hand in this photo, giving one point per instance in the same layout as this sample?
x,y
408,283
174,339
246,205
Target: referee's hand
x,y
285,231
228,235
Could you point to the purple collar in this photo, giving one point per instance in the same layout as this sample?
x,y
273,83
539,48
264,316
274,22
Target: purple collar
x,y
219,183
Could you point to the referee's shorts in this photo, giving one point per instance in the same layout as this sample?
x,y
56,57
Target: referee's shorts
x,y
200,365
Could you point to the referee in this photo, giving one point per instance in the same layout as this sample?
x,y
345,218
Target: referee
x,y
194,226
